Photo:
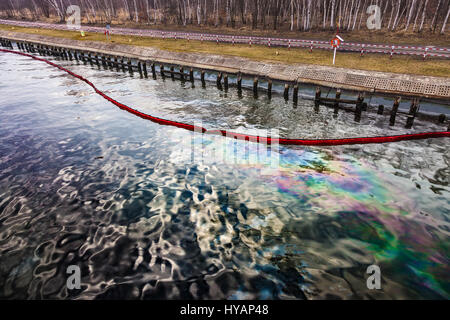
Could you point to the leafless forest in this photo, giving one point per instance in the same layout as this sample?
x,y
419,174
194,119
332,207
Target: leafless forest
x,y
302,15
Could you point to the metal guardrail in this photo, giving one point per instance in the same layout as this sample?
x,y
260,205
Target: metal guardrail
x,y
363,48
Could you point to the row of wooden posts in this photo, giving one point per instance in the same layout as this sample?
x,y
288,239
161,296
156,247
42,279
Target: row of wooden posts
x,y
6,43
222,81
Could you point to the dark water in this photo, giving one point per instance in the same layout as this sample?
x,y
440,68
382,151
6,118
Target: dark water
x,y
155,212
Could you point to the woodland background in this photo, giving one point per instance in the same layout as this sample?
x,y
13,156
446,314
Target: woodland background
x,y
417,16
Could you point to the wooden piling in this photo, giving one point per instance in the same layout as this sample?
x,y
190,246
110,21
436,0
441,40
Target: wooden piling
x,y
394,111
182,73
336,104
153,67
89,58
239,82
317,99
286,92
359,107
144,66
110,62
162,70
269,88
412,113
191,75
225,82
380,109
255,86
130,67
172,74
442,118
219,79
202,77
295,95
116,63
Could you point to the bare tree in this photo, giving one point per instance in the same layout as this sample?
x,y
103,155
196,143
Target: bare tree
x,y
446,19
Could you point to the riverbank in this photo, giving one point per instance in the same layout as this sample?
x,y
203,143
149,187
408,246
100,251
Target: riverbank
x,y
345,78
400,63
383,36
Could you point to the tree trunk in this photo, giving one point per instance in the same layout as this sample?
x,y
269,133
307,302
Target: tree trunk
x,y
423,15
433,23
445,21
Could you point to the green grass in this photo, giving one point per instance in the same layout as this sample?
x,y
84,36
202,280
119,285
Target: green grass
x,y
375,62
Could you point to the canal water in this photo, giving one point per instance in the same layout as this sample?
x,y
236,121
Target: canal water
x,y
156,212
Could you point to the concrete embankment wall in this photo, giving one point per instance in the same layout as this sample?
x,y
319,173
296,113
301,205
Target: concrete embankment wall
x,y
400,84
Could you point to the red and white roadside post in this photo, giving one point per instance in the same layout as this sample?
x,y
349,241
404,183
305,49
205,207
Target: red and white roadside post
x,y
289,45
250,41
311,48
217,40
362,50
107,32
268,42
201,37
335,43
233,40
392,52
425,54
